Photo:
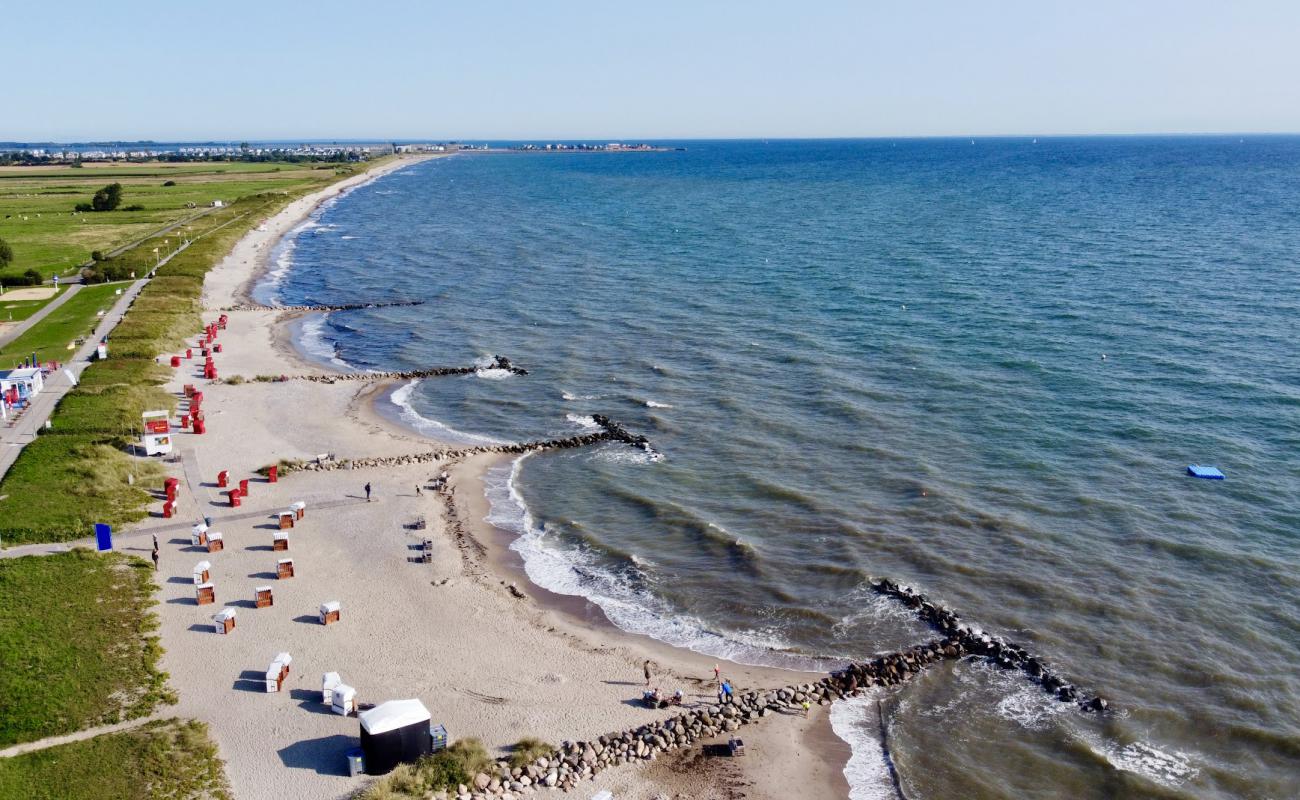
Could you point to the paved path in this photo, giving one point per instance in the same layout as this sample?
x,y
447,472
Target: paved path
x,y
25,325
79,736
13,438
141,536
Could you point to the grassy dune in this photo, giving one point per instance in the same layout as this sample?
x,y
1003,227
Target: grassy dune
x,y
171,759
76,659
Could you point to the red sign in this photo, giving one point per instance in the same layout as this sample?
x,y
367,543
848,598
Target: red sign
x,y
158,426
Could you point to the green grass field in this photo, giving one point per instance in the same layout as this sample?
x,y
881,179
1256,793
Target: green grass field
x,y
50,337
76,659
169,759
19,310
38,221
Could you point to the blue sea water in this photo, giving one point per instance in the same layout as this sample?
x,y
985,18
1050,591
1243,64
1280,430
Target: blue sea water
x,y
980,368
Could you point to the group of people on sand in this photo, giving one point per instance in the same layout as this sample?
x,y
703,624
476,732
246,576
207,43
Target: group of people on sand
x,y
438,484
654,698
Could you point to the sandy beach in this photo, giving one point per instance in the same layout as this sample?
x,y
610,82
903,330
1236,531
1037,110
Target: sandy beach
x,y
486,662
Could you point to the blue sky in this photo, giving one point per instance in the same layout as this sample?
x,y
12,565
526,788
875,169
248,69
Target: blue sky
x,y
197,70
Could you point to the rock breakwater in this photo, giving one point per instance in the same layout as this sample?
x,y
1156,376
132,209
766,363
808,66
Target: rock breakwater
x,y
613,432
341,307
970,641
496,363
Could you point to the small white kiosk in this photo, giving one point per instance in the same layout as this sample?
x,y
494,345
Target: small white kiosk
x,y
157,433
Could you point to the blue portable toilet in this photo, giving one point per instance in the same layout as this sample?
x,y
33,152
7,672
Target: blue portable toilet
x,y
103,537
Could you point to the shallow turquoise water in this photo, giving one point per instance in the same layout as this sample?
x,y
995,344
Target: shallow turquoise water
x,y
978,368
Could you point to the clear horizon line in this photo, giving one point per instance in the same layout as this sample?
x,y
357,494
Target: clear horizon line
x,y
601,138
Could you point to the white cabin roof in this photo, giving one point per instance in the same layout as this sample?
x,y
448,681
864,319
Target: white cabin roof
x,y
393,715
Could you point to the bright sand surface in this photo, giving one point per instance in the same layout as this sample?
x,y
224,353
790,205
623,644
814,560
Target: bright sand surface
x,y
487,664
35,293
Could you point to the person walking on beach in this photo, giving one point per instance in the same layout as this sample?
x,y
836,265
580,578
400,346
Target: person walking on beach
x,y
155,542
418,493
155,558
646,668
367,491
717,675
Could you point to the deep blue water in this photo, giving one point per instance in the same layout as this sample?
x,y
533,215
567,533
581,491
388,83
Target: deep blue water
x,y
979,368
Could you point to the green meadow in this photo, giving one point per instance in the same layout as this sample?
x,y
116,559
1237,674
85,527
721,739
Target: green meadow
x,y
76,318
37,204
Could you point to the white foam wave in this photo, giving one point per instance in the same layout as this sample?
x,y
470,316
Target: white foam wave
x,y
1143,758
483,369
313,341
401,397
622,454
583,421
571,397
653,404
855,721
630,607
347,237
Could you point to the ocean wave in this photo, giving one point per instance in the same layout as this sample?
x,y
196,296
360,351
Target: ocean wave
x,y
281,259
653,404
483,369
571,397
855,721
313,341
584,421
1143,758
622,454
401,397
347,237
629,605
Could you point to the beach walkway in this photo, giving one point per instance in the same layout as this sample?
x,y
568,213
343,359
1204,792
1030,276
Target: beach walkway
x,y
77,736
13,438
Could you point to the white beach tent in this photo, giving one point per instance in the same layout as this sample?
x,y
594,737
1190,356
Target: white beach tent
x,y
201,572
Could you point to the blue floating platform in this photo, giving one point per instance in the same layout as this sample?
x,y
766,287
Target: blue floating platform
x,y
1208,473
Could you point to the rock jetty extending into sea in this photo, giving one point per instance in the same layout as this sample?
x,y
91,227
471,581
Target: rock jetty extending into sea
x,y
497,363
576,761
612,432
343,307
970,641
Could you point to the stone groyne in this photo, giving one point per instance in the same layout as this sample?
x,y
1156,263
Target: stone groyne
x,y
967,640
497,363
612,432
342,307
